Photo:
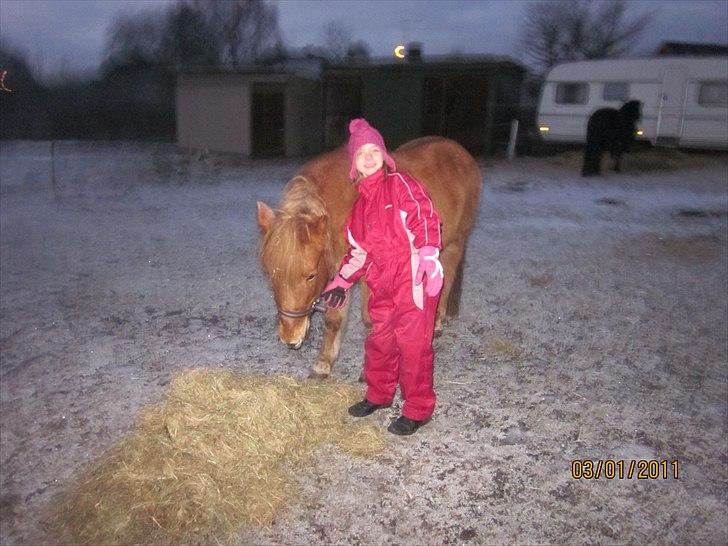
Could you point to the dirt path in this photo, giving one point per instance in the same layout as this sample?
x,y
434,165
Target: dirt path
x,y
593,326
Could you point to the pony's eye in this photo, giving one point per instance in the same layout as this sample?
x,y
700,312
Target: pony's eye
x,y
312,276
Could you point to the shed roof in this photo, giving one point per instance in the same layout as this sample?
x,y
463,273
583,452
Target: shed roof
x,y
429,63
314,68
287,71
693,49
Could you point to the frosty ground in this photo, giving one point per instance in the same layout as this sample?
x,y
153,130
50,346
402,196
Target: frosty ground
x,y
593,326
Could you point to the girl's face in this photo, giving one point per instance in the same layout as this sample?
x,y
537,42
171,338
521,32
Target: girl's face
x,y
369,159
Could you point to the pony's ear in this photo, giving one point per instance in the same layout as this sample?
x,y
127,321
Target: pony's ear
x,y
265,216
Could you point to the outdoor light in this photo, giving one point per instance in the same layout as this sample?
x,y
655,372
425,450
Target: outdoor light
x,y
544,129
3,73
399,51
640,132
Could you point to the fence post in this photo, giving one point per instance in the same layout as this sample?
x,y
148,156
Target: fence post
x,y
512,140
53,164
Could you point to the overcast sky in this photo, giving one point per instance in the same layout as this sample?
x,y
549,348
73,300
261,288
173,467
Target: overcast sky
x,y
71,33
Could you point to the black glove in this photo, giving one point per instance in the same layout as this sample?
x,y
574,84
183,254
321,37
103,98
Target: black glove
x,y
334,298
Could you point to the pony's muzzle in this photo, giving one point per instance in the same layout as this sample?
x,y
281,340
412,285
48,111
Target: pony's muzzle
x,y
293,332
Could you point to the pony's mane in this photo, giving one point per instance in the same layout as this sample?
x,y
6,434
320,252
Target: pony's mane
x,y
300,208
301,197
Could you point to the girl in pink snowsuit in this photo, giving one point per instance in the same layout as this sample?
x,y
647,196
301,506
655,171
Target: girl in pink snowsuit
x,y
394,238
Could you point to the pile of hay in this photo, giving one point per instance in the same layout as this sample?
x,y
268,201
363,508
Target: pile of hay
x,y
216,453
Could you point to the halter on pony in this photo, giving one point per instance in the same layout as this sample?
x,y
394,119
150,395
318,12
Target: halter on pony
x,y
317,305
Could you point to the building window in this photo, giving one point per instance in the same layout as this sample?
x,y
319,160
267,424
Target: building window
x,y
572,93
616,91
713,94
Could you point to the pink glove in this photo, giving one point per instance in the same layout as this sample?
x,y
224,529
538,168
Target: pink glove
x,y
430,265
336,292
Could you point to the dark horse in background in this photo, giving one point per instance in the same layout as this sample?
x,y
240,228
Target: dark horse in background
x,y
613,130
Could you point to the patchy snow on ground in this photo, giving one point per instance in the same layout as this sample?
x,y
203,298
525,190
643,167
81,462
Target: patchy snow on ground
x,y
593,326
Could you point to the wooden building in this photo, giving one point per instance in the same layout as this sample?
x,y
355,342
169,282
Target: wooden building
x,y
256,113
284,111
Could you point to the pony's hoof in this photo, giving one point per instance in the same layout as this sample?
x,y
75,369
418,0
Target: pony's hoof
x,y
318,376
362,379
437,333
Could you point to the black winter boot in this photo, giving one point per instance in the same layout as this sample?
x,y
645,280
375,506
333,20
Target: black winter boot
x,y
404,426
365,407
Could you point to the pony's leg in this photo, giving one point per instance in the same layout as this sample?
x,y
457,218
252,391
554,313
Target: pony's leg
x,y
366,320
364,298
334,329
597,167
617,161
450,259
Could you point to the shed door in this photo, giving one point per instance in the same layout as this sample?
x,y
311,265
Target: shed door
x,y
671,103
268,124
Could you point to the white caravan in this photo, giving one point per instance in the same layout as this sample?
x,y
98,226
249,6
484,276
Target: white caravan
x,y
684,99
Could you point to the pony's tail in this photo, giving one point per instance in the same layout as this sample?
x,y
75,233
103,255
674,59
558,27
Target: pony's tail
x,y
453,301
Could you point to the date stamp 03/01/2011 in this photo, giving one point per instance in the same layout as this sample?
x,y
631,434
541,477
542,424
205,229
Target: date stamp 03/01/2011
x,y
620,469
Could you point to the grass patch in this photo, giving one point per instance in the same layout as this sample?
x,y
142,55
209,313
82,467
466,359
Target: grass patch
x,y
540,281
506,348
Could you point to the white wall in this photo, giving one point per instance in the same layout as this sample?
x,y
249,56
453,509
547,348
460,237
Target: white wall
x,y
213,112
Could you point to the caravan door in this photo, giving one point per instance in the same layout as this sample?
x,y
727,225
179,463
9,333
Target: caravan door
x,y
671,105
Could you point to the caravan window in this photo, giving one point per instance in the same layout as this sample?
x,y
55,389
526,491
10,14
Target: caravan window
x,y
572,93
616,91
713,94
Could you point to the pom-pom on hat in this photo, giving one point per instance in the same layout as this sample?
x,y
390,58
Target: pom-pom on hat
x,y
360,133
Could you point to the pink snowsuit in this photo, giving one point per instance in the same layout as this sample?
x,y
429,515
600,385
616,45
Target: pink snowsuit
x,y
393,218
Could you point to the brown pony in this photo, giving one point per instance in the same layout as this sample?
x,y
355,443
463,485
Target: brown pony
x,y
302,242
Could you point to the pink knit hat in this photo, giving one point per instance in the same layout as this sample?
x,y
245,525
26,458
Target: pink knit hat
x,y
360,133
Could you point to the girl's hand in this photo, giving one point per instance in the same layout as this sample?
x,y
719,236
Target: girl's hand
x,y
431,267
336,292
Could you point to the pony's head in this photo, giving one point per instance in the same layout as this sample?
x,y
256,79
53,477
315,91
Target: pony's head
x,y
295,252
632,110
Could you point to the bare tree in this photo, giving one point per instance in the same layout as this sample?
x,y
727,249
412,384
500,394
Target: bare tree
x,y
336,40
357,51
136,37
189,38
245,29
220,32
542,33
566,30
612,32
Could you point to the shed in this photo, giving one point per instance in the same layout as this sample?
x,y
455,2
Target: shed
x,y
260,112
471,99
282,111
